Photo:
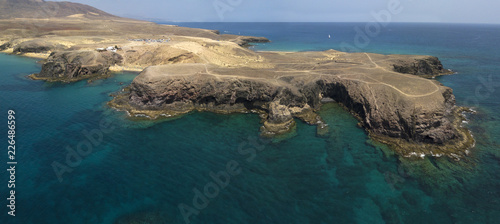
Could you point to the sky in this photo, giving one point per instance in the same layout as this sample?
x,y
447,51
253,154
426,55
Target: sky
x,y
443,11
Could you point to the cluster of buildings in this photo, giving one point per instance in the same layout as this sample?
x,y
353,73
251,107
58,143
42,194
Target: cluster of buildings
x,y
111,48
115,48
152,40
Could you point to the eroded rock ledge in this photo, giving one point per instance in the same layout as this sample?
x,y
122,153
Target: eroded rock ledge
x,y
416,116
70,66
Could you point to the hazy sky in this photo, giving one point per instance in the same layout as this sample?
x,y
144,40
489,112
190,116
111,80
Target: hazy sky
x,y
447,11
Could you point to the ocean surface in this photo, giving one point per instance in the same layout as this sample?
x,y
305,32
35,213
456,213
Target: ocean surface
x,y
140,170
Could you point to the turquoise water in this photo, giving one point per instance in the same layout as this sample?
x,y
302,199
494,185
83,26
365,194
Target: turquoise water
x,y
143,170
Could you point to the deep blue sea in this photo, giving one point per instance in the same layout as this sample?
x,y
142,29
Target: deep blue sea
x,y
142,171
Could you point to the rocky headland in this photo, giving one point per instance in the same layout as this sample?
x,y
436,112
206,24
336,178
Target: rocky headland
x,y
416,116
185,69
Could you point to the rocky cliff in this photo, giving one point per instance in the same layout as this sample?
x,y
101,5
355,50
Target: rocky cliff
x,y
391,106
36,46
67,66
426,67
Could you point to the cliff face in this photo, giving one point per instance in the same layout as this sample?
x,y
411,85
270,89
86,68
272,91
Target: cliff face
x,y
426,67
382,111
184,87
386,113
36,46
388,110
69,66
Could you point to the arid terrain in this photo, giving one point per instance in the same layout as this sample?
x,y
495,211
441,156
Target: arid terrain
x,y
185,69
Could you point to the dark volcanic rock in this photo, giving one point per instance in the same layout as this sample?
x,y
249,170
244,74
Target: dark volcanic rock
x,y
246,40
279,120
77,65
389,114
5,46
427,67
279,113
188,86
37,46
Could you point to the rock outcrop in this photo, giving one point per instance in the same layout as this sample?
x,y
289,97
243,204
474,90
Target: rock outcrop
x,y
37,46
69,66
279,120
425,67
246,41
5,46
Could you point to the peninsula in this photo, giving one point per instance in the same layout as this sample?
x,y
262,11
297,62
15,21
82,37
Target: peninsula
x,y
185,69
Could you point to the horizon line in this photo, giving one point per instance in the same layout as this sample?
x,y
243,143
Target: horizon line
x,y
457,23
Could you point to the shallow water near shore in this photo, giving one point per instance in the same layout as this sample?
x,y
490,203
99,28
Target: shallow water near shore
x,y
142,170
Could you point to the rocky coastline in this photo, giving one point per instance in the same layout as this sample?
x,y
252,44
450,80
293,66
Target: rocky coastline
x,y
423,125
393,96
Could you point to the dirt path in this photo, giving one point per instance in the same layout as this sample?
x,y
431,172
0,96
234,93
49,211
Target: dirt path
x,y
393,72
